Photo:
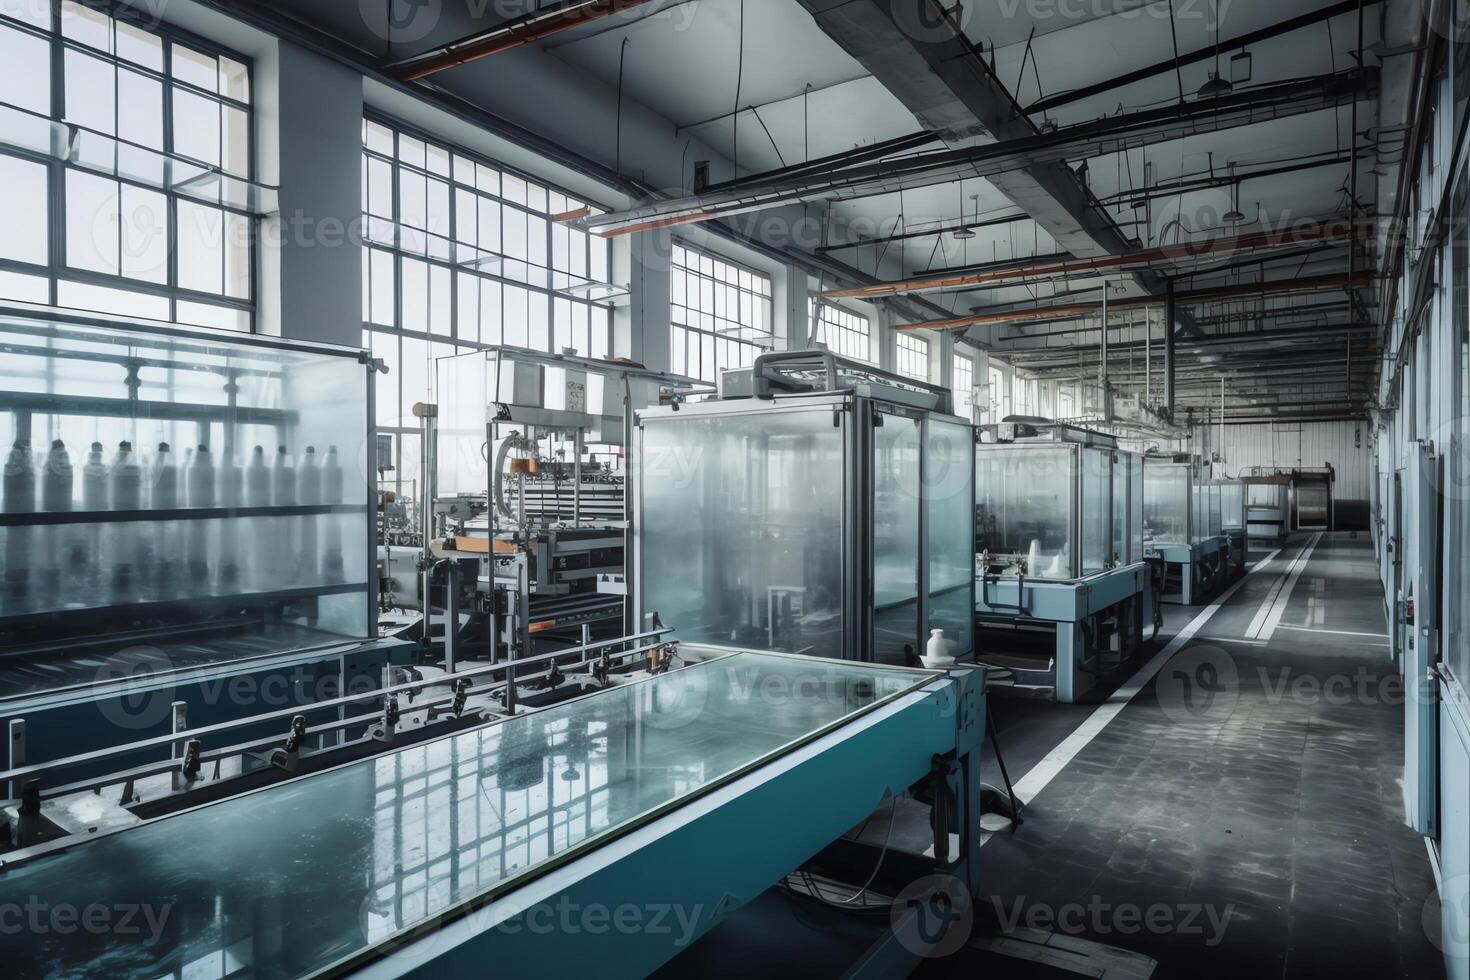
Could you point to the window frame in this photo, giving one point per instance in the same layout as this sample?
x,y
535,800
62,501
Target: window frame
x,y
380,335
58,272
817,319
746,339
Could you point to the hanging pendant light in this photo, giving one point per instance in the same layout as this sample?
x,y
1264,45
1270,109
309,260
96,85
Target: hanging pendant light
x,y
1215,86
963,233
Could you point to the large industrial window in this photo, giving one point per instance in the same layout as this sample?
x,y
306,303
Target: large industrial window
x,y
130,236
913,356
844,332
720,314
963,386
460,254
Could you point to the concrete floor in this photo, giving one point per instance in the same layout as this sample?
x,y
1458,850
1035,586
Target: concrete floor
x,y
1256,778
1238,816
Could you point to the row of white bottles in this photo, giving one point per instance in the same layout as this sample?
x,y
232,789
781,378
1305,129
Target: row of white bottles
x,y
54,565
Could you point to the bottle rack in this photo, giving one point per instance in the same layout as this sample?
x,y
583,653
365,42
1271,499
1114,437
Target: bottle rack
x,y
59,369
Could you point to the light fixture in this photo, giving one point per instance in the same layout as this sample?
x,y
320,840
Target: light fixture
x,y
1234,216
1215,86
963,233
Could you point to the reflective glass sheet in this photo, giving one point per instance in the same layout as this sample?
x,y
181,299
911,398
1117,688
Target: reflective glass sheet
x,y
288,880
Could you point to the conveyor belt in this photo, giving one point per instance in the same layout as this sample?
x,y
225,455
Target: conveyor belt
x,y
287,880
32,672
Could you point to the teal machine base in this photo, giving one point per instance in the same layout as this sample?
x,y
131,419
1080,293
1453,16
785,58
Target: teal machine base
x,y
1098,623
600,836
1193,572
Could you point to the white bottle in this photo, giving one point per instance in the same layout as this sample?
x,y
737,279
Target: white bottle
x,y
125,479
94,499
18,496
199,483
332,486
283,529
231,495
259,530
308,494
164,569
61,550
936,651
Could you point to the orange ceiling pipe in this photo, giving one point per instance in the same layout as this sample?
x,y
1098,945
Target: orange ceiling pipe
x,y
1308,285
1143,258
525,30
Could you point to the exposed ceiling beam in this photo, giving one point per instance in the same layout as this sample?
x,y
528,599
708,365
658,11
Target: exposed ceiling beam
x,y
991,160
1311,285
526,29
1149,258
1198,55
946,229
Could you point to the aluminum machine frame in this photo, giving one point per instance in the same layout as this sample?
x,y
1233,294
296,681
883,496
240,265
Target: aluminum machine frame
x,y
528,535
1233,494
1093,603
820,505
1182,527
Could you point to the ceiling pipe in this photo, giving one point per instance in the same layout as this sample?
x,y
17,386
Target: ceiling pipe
x,y
1142,259
527,29
1112,134
1309,285
1192,57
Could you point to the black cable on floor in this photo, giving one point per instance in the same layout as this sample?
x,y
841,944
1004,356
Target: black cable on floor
x,y
999,758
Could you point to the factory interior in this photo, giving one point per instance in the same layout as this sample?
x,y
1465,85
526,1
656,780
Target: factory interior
x,y
713,488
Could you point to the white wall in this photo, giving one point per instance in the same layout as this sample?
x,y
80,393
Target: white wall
x,y
1290,445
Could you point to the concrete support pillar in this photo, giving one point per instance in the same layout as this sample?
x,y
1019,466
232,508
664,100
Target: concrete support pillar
x,y
793,296
311,254
1170,313
643,325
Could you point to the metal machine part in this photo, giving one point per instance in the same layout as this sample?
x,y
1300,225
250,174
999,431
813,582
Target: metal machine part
x,y
522,463
1183,526
1063,590
829,522
674,767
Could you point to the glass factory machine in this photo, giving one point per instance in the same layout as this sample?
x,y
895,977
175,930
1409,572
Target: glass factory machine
x,y
1184,525
1063,590
818,506
200,718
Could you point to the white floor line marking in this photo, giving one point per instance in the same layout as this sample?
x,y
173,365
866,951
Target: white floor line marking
x,y
1230,639
1029,785
1318,629
1279,609
1259,620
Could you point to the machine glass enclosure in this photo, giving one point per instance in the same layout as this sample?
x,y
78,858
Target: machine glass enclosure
x,y
1023,505
1127,508
182,482
948,494
1232,504
835,524
1061,503
1167,491
741,528
1096,512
